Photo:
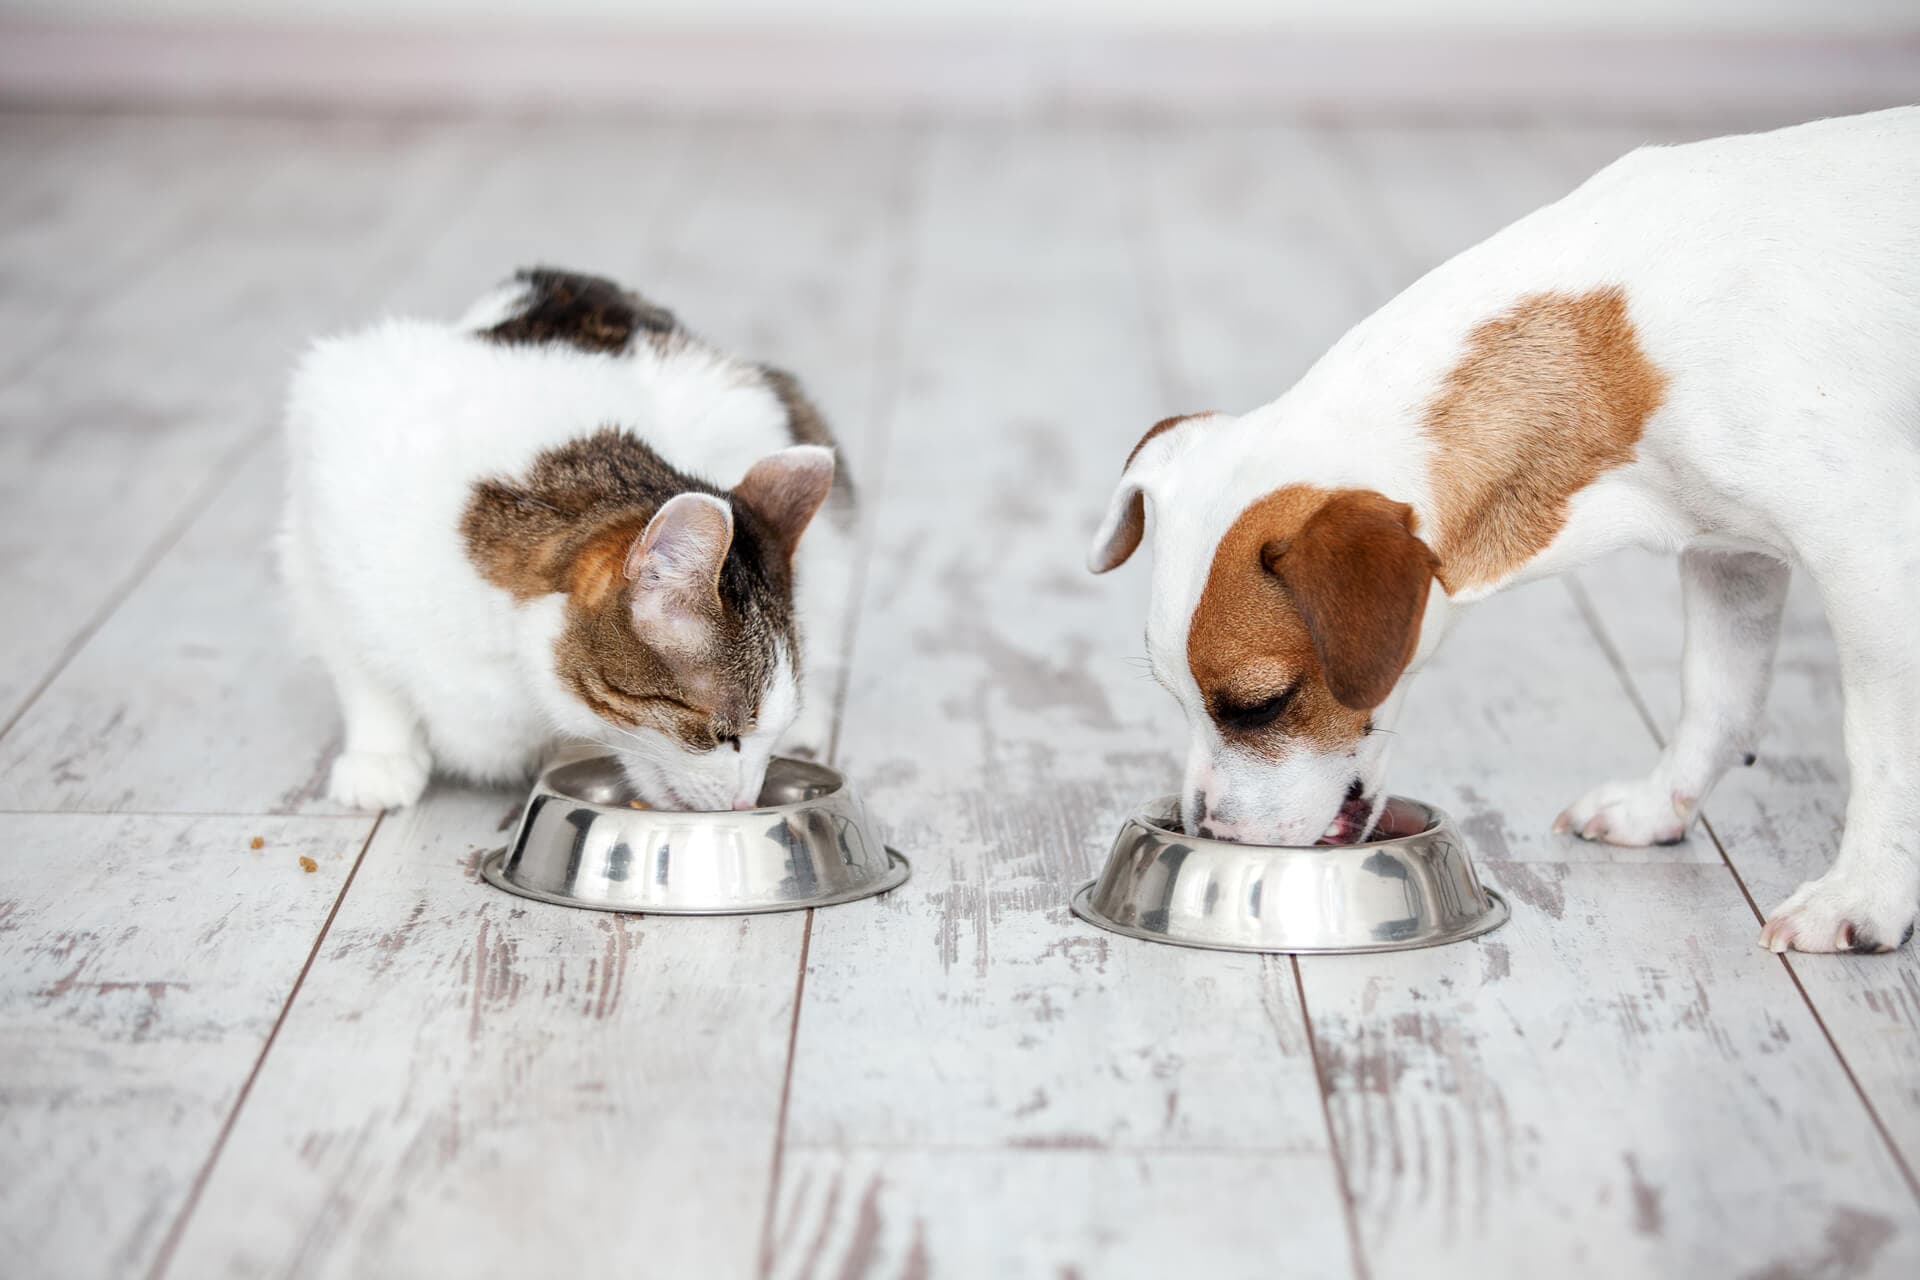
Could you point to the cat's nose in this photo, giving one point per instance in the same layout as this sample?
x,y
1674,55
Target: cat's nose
x,y
744,804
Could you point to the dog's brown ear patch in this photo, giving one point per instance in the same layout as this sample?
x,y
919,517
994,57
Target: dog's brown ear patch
x,y
1320,589
1126,520
1545,398
1359,577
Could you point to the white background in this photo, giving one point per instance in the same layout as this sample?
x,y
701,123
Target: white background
x,y
1620,16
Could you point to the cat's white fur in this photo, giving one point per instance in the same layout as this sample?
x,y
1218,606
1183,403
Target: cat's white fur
x,y
387,430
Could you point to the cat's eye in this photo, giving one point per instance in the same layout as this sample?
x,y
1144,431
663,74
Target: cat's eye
x,y
1249,716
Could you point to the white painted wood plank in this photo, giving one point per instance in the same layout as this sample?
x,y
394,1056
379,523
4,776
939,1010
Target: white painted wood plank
x,y
1616,1083
583,194
1780,821
143,962
114,198
107,444
1246,235
188,699
1052,1215
1439,203
1000,734
790,251
474,1084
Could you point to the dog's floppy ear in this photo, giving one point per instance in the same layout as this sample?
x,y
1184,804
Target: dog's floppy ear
x,y
1360,578
1126,520
1121,529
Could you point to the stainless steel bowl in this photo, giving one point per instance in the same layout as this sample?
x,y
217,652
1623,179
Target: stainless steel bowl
x,y
1414,886
581,844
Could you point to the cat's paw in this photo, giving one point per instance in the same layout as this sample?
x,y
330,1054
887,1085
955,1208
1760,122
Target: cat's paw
x,y
372,780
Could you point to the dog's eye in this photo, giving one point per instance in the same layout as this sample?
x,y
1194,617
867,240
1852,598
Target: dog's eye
x,y
1254,715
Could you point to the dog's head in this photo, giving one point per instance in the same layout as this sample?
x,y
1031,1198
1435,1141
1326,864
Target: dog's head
x,y
1282,618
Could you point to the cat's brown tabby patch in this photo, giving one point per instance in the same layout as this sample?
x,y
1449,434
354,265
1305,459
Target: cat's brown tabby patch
x,y
588,312
568,526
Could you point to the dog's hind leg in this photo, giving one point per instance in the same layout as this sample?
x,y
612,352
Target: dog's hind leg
x,y
1732,604
1870,898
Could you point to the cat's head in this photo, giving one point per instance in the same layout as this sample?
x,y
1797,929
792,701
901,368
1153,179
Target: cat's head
x,y
680,644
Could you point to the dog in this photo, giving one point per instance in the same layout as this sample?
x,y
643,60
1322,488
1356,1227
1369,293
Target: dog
x,y
1710,349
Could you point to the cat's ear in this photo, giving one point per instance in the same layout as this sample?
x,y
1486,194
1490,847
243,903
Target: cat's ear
x,y
675,569
786,488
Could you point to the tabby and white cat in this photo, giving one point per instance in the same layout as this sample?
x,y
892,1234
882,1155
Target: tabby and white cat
x,y
562,518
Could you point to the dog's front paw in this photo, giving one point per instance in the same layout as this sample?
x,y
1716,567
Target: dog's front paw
x,y
1841,913
1645,812
371,780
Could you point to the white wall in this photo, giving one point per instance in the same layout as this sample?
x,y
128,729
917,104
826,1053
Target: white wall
x,y
1620,16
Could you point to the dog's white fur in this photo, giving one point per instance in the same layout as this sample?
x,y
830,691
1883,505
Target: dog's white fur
x,y
1775,280
387,430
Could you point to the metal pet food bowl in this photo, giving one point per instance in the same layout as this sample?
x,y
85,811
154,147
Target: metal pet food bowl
x,y
1412,886
581,843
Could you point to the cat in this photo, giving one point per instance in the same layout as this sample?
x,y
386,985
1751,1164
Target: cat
x,y
563,518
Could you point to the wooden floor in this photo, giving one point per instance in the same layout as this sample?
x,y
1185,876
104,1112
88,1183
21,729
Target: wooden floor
x,y
219,1059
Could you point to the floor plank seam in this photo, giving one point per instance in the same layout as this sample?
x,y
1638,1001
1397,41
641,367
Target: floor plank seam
x,y
1786,962
1618,662
786,1096
1598,629
1347,1206
882,410
890,373
223,473
230,465
171,1243
1152,274
194,226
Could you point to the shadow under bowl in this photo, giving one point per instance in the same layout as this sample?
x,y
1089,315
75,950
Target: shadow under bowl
x,y
580,843
1413,886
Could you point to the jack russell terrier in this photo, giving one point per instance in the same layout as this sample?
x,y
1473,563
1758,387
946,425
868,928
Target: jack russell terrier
x,y
1712,349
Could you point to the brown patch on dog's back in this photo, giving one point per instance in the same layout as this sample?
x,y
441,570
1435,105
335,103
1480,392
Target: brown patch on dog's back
x,y
1547,398
588,312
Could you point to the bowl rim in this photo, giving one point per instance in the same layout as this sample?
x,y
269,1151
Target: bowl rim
x,y
493,869
544,786
1498,912
1147,815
